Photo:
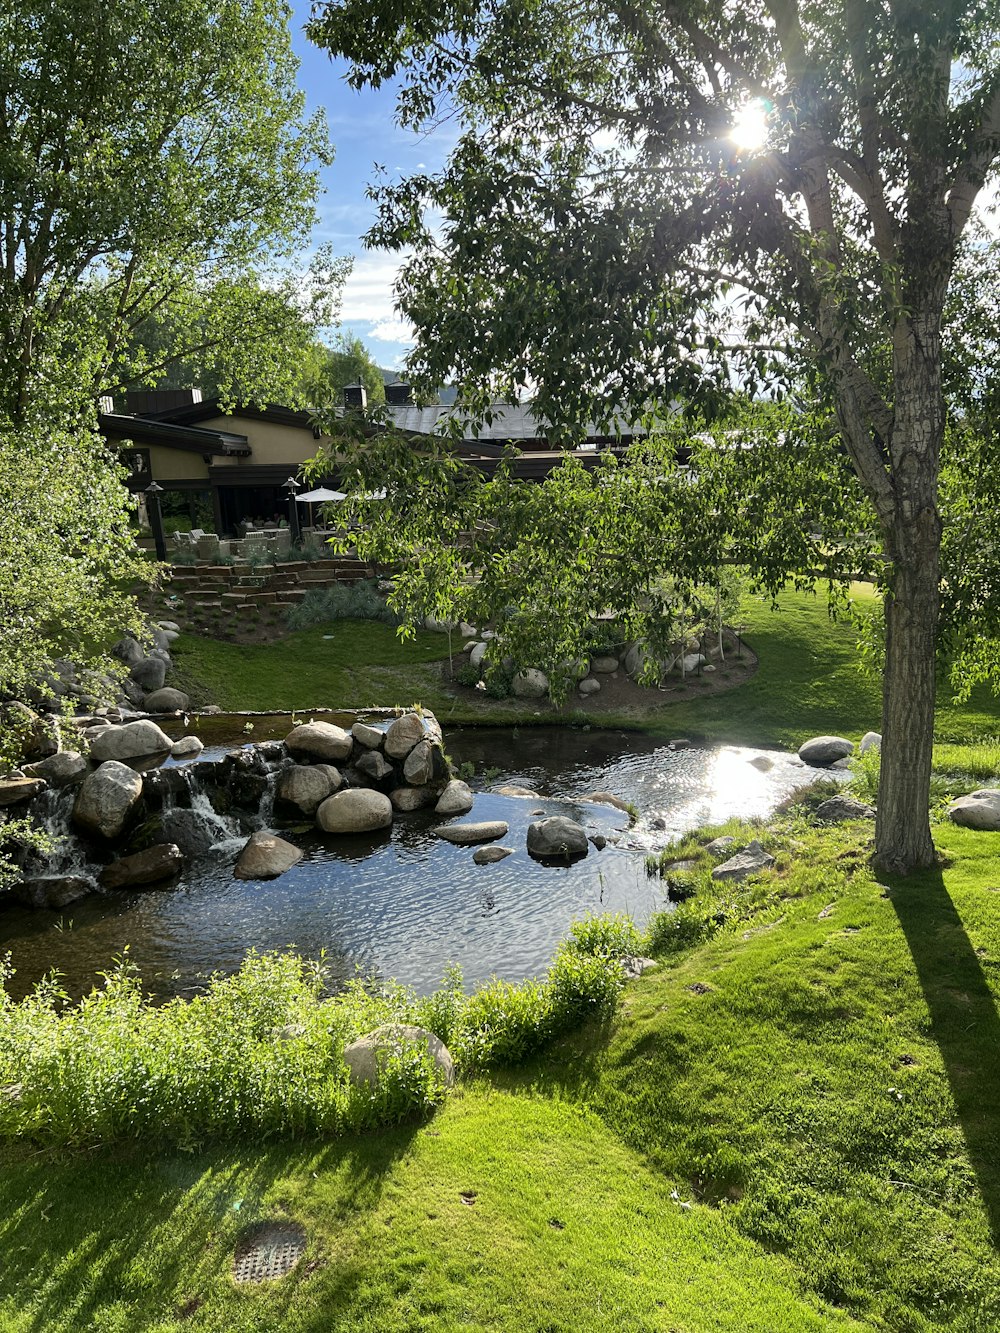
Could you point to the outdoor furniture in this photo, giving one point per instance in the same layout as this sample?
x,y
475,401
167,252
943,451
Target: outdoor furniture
x,y
208,546
282,540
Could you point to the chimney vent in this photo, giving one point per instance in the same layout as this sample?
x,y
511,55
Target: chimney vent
x,y
398,395
356,397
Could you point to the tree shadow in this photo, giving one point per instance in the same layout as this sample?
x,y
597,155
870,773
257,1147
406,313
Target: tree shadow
x,y
153,1229
965,1023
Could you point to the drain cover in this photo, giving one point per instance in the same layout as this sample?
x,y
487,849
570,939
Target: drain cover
x,y
268,1251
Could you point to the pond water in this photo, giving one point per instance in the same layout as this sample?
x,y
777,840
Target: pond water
x,y
403,903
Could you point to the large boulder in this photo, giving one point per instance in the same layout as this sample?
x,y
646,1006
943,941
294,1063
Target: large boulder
x,y
60,770
15,790
186,748
153,865
358,810
822,751
467,835
367,1057
149,674
840,808
134,740
408,799
530,684
485,856
456,799
266,856
128,650
307,787
403,734
589,686
167,700
319,740
871,740
750,861
557,838
477,654
979,810
370,738
107,798
52,891
603,666
374,766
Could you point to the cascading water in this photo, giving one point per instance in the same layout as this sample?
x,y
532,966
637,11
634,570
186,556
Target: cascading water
x,y
52,813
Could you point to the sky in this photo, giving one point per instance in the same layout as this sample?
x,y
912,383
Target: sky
x,y
363,133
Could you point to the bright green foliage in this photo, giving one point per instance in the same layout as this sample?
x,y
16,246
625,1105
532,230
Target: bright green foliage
x,y
330,369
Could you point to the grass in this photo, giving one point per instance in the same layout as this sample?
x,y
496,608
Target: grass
x,y
791,1124
808,683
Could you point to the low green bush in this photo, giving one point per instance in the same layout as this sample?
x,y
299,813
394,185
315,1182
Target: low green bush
x,y
344,601
498,683
467,674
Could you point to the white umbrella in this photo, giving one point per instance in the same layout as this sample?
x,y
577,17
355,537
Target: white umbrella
x,y
320,496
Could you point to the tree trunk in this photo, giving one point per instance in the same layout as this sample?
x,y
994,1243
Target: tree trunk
x,y
913,540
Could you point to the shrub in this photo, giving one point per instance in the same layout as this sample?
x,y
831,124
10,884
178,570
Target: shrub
x,y
864,774
344,601
467,674
608,936
498,683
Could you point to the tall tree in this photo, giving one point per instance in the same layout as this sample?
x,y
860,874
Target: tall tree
x,y
332,368
648,199
154,164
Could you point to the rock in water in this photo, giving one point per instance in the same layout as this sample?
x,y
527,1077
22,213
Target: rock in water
x,y
52,891
266,856
370,738
557,838
467,835
456,799
822,751
106,799
157,863
186,747
748,862
307,787
15,790
167,700
60,769
980,810
403,735
408,799
319,740
134,740
367,1057
374,766
484,856
358,810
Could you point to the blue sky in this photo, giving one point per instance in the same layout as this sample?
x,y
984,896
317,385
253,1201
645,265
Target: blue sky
x,y
363,133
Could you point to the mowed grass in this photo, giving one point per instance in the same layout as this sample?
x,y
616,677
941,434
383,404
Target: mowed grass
x,y
791,1124
808,683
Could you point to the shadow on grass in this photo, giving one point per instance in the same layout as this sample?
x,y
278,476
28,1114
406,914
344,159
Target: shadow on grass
x,y
964,1021
144,1233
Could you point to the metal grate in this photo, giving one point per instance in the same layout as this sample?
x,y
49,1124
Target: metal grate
x,y
269,1251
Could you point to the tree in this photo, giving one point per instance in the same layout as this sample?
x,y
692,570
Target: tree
x,y
648,201
332,369
154,165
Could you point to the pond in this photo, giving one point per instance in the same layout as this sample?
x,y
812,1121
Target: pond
x,y
402,903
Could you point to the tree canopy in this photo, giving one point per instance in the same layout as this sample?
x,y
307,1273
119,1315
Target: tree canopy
x,y
331,368
650,204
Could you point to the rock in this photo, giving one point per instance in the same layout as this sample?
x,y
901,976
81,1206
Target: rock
x,y
634,660
822,751
149,673
367,1057
319,740
133,693
134,740
467,835
168,626
589,686
167,700
515,791
557,837
308,787
603,666
456,799
370,738
186,746
373,765
161,861
403,735
607,798
195,832
690,662
466,631
599,841
266,856
484,856
719,846
979,810
408,799
477,654
633,966
107,798
422,764
60,770
748,862
358,810
761,763
871,740
128,650
708,668
439,626
530,684
52,891
839,808
15,790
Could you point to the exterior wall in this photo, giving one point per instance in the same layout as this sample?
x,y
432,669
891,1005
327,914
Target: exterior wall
x,y
176,465
271,444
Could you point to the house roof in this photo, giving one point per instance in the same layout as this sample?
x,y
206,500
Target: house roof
x,y
190,439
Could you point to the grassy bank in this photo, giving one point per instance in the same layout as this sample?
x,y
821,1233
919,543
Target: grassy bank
x,y
791,1124
808,682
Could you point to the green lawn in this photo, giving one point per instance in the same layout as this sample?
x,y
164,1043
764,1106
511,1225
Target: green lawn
x,y
792,1124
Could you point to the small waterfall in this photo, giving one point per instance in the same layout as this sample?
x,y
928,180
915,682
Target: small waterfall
x,y
189,818
52,811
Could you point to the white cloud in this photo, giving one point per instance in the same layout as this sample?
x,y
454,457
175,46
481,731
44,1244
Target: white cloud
x,y
368,291
393,330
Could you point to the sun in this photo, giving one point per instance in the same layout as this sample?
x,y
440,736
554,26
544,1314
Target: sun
x,y
750,127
